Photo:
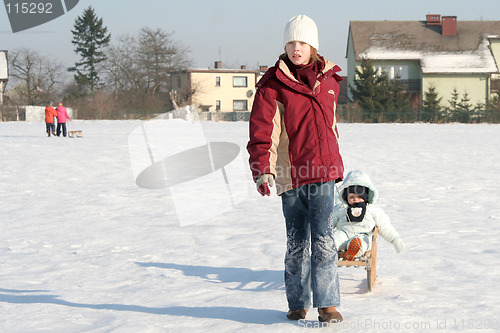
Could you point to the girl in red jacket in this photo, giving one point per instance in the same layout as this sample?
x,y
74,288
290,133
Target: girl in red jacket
x,y
293,144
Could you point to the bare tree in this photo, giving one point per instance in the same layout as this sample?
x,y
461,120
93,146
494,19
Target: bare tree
x,y
159,55
37,78
124,72
140,67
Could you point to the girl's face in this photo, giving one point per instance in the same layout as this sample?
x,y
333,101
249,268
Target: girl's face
x,y
299,53
353,198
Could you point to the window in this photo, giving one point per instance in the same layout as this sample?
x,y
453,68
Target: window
x,y
240,81
393,71
217,105
240,105
217,81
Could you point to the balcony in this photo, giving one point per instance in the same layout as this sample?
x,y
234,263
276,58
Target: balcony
x,y
413,85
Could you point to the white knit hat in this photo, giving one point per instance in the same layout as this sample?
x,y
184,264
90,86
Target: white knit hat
x,y
303,29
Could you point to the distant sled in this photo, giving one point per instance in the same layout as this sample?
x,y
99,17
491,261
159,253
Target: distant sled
x,y
73,134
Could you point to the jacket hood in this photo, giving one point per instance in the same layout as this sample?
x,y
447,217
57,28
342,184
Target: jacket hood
x,y
358,177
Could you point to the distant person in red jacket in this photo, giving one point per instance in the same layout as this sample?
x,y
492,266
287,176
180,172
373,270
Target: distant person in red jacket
x,y
293,142
62,116
50,113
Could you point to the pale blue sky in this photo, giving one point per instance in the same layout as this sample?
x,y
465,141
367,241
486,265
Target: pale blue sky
x,y
237,32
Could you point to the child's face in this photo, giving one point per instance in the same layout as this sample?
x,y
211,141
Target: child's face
x,y
299,53
353,198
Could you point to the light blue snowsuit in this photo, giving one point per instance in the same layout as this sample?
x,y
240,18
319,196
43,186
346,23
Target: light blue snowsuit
x,y
375,216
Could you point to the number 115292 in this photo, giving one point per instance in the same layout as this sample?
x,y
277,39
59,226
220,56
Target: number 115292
x,y
29,8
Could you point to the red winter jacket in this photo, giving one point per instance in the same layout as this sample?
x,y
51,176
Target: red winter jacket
x,y
50,113
293,133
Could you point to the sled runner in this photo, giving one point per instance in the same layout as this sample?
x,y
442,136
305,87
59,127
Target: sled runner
x,y
72,134
367,260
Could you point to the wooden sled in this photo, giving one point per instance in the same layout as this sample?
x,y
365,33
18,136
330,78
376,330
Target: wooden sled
x,y
72,134
368,260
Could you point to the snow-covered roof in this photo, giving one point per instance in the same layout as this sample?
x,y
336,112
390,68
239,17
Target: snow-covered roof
x,y
466,52
4,75
476,61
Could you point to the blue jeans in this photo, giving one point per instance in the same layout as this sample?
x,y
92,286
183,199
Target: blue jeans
x,y
59,126
311,256
50,127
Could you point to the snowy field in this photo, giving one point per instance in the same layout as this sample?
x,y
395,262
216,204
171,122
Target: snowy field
x,y
84,249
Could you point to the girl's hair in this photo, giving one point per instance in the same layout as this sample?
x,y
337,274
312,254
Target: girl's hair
x,y
314,56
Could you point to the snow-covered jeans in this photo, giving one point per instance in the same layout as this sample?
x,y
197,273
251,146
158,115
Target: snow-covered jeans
x,y
311,256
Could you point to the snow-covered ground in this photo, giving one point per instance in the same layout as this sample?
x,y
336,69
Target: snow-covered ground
x,y
84,249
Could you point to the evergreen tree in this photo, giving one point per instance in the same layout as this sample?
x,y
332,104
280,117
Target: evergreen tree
x,y
491,111
451,110
371,90
381,98
90,37
479,111
431,106
399,105
464,109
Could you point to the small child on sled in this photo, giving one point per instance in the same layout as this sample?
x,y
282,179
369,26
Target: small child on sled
x,y
357,216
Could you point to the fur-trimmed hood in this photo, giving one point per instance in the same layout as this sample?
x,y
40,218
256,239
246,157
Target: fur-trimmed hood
x,y
358,177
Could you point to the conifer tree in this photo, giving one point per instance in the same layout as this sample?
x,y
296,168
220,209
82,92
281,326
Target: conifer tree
x,y
381,98
452,108
399,105
431,105
90,38
491,110
465,109
370,90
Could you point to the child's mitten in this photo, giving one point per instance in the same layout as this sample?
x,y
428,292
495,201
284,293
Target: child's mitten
x,y
399,245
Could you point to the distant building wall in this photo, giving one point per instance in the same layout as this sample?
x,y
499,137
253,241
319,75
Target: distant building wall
x,y
4,73
221,90
217,90
495,49
407,69
475,85
351,65
2,88
37,113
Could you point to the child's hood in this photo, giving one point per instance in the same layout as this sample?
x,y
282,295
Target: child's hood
x,y
358,177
